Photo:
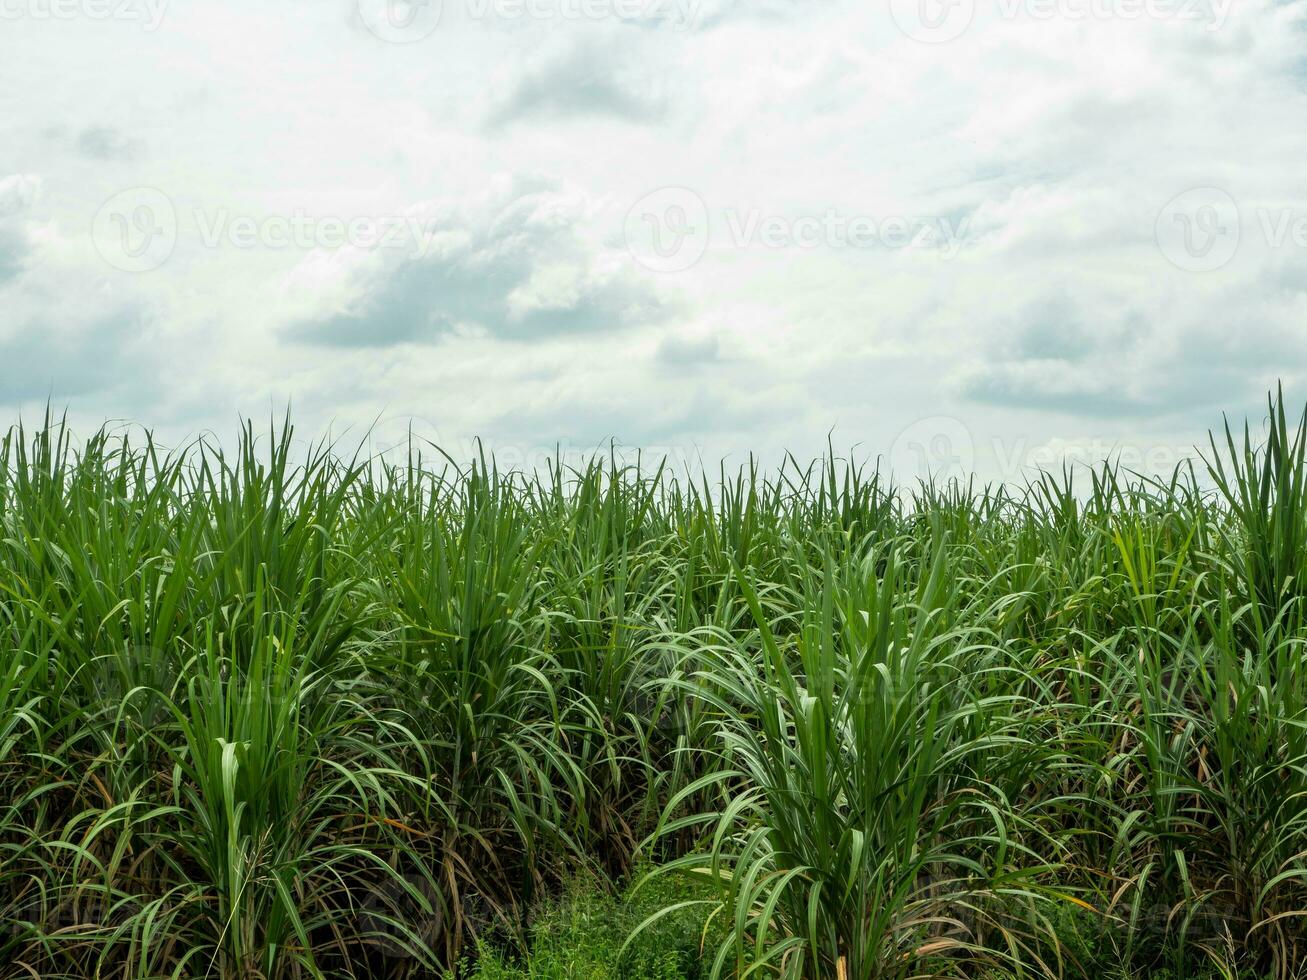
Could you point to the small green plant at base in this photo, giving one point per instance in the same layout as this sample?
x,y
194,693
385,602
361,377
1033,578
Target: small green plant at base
x,y
580,935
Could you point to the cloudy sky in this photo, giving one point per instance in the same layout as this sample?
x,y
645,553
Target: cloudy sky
x,y
960,234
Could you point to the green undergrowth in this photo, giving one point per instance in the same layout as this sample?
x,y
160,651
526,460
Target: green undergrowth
x,y
593,930
582,934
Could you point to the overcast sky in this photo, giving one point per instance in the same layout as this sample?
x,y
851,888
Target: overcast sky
x,y
963,235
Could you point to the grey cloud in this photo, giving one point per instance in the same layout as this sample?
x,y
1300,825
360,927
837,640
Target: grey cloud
x,y
584,80
104,143
1098,392
665,421
40,359
16,195
1057,356
61,337
1057,327
1051,386
688,352
519,272
95,142
1049,356
13,253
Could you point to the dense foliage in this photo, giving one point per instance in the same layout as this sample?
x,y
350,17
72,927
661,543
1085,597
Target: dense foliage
x,y
289,714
